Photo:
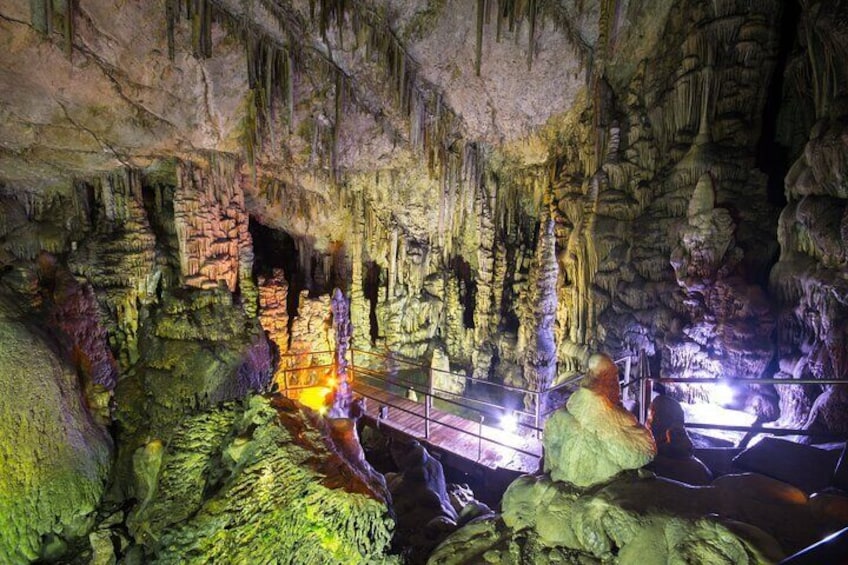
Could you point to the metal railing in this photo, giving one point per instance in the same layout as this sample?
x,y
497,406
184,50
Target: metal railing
x,y
391,367
390,371
393,370
645,382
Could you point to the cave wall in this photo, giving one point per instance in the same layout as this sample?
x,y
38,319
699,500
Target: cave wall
x,y
349,136
674,234
808,281
506,190
56,454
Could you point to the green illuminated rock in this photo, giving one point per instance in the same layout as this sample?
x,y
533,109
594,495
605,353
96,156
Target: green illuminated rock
x,y
255,483
53,458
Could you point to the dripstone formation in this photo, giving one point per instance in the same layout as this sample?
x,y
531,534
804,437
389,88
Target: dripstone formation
x,y
499,190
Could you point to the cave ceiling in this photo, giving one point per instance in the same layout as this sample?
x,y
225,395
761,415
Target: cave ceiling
x,y
366,98
655,141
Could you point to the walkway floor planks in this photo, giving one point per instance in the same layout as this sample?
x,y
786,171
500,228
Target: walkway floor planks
x,y
453,433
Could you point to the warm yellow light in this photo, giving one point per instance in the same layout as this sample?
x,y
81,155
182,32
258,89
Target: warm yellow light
x,y
314,397
331,382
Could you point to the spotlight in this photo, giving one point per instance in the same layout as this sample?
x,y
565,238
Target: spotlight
x,y
723,394
509,423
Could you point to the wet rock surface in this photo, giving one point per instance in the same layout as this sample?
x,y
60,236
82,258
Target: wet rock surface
x,y
258,481
56,459
499,188
593,438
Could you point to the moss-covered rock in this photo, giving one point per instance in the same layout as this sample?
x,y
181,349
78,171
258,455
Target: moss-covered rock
x,y
197,350
53,458
255,483
631,520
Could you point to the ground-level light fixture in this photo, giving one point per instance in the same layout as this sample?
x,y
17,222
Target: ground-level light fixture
x,y
723,393
509,422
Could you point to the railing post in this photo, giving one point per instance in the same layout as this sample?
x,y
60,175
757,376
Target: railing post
x,y
480,438
428,401
538,415
644,388
286,382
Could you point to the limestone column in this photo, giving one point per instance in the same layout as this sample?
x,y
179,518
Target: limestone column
x,y
342,395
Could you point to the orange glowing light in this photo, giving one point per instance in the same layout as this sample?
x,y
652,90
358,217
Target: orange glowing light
x,y
332,382
315,397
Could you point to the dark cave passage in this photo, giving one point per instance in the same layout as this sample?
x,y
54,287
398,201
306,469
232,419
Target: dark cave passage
x,y
371,289
773,157
275,249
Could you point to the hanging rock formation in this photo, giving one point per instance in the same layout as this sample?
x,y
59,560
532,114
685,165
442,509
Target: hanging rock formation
x,y
412,155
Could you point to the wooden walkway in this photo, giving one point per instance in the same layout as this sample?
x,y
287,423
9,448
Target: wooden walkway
x,y
476,443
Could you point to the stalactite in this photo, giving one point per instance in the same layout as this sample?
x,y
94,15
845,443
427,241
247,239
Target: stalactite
x,y
70,9
43,17
479,48
605,19
172,14
531,13
393,263
201,28
337,119
48,10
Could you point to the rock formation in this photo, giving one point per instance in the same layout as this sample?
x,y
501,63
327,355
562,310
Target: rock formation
x,y
591,506
55,458
342,393
420,499
675,451
593,438
270,483
498,187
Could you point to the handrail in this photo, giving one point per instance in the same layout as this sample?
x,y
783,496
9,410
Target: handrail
x,y
761,429
413,385
754,381
418,364
538,417
478,406
455,428
444,395
455,403
743,382
481,407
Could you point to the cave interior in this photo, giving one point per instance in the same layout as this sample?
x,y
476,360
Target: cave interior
x,y
424,281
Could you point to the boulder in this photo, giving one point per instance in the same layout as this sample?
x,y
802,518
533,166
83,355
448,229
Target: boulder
x,y
424,510
631,520
54,458
593,439
675,459
808,468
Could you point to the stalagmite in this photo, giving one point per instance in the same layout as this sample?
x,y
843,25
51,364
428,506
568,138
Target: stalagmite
x,y
540,357
342,393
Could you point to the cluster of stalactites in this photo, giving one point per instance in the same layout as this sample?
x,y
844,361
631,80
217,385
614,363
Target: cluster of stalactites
x,y
511,13
215,246
47,19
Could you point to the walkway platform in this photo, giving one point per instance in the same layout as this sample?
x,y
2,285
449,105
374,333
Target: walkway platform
x,y
473,442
